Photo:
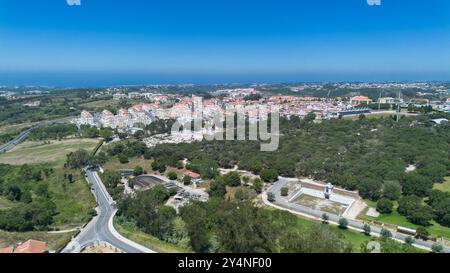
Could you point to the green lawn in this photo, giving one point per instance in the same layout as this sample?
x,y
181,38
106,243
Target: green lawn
x,y
445,186
35,152
131,232
395,218
14,128
351,236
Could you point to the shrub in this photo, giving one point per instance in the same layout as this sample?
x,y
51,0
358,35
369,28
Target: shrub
x,y
343,223
366,229
325,218
409,240
284,191
271,197
172,175
385,233
437,248
123,159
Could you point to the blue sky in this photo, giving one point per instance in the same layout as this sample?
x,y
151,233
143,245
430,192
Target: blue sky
x,y
145,41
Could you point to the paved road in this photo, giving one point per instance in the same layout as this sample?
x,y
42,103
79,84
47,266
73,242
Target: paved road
x,y
317,214
21,137
101,228
24,134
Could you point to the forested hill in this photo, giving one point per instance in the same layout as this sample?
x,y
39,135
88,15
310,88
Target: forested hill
x,y
369,155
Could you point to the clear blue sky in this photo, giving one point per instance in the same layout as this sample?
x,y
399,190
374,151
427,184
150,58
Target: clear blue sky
x,y
146,41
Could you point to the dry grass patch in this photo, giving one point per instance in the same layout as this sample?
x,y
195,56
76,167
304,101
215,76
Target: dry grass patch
x,y
37,152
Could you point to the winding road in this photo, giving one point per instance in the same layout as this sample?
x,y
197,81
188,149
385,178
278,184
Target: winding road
x,y
101,228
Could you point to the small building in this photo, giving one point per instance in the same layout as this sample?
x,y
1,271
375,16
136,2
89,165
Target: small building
x,y
195,177
387,100
31,246
360,100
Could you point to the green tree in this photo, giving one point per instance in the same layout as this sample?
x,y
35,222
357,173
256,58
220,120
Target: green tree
x,y
409,240
271,197
284,191
422,233
106,133
232,179
437,248
392,190
325,218
366,229
187,180
343,223
138,170
384,205
123,159
385,233
269,175
217,188
172,175
257,185
77,159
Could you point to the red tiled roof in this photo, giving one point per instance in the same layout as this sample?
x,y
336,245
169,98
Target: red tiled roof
x,y
360,98
31,246
192,174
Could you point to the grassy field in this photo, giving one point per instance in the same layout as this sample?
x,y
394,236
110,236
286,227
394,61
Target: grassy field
x,y
15,128
114,164
131,232
35,152
353,237
74,201
99,105
443,186
395,218
54,241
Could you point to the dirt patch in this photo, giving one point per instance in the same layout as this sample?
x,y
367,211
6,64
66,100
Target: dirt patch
x,y
320,204
101,248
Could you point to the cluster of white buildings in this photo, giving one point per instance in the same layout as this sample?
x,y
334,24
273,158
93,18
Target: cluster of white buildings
x,y
125,118
188,108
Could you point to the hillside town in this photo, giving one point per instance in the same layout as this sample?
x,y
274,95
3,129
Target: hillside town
x,y
186,108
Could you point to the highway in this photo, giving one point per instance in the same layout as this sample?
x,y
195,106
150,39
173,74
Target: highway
x,y
24,134
295,208
11,144
101,228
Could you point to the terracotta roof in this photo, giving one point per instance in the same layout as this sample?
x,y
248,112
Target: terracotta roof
x,y
360,98
192,174
8,249
31,246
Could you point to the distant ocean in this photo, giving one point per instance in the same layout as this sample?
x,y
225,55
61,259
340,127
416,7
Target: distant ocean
x,y
99,79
